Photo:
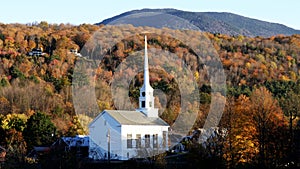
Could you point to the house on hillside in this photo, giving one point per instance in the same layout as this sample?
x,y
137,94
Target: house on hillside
x,y
75,52
123,134
36,52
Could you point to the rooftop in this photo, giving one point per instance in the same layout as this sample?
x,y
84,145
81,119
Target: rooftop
x,y
125,117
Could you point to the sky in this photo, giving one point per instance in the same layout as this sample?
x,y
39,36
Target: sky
x,y
93,11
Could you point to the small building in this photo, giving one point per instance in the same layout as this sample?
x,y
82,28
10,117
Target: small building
x,y
37,152
205,137
36,52
123,134
75,52
78,144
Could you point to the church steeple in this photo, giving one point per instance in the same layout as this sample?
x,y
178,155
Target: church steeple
x,y
146,99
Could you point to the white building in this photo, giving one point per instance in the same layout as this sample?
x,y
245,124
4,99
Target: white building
x,y
36,52
75,52
122,134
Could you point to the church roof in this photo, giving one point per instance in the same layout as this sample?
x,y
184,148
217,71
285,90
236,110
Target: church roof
x,y
125,117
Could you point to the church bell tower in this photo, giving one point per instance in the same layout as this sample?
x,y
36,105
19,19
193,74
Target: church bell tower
x,y
146,99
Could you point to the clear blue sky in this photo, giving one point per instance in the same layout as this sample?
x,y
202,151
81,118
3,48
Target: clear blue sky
x,y
92,11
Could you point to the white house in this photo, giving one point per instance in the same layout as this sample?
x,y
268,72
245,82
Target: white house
x,y
75,52
122,134
36,52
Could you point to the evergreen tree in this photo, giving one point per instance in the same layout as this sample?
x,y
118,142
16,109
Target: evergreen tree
x,y
39,131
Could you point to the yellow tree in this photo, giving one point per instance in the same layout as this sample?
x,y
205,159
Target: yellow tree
x,y
240,145
11,127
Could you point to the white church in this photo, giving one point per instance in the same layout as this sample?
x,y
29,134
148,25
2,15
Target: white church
x,y
123,134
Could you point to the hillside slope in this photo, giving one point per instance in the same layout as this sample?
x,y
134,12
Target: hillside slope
x,y
213,22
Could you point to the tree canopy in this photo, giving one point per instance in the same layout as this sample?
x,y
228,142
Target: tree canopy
x,y
39,130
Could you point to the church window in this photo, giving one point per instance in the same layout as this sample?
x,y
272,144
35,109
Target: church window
x,y
129,140
143,94
147,140
143,104
164,138
155,140
138,141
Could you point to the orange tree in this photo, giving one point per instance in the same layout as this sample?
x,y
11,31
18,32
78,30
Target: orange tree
x,y
268,119
240,146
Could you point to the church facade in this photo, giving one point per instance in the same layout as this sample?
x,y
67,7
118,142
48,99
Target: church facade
x,y
123,134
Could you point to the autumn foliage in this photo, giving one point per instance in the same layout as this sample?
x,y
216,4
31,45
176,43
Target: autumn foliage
x,y
260,72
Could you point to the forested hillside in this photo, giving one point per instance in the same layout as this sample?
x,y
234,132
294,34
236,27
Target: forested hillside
x,y
262,93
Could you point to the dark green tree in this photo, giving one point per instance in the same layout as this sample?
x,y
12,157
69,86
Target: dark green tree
x,y
291,107
39,131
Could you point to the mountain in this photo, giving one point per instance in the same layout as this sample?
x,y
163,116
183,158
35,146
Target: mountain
x,y
214,22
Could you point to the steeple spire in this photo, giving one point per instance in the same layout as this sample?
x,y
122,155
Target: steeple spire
x,y
146,69
146,99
